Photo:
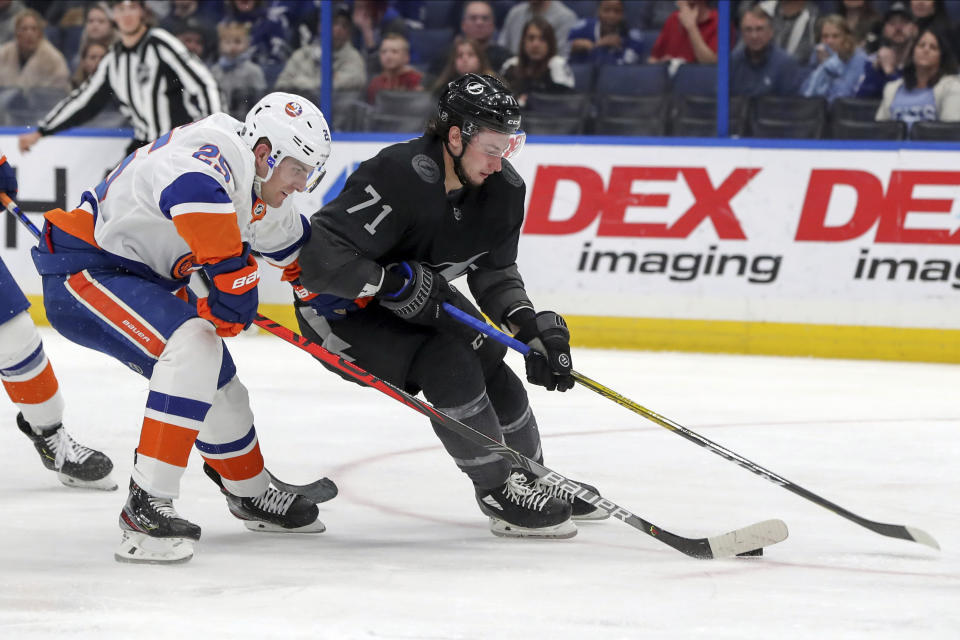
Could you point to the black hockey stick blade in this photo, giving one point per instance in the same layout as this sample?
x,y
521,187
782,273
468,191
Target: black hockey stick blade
x,y
317,491
730,544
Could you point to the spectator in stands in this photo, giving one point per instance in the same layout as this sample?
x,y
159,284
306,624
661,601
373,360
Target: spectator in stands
x,y
560,17
886,65
466,56
689,34
374,19
538,67
302,71
91,54
62,14
98,27
653,15
478,24
862,19
838,73
396,74
758,67
241,80
196,38
30,60
794,27
8,11
929,88
932,14
606,39
270,35
194,28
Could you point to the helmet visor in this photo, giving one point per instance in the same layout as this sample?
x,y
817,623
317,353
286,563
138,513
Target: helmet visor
x,y
314,179
500,145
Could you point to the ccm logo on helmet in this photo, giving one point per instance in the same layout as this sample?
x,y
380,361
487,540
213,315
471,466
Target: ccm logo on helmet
x,y
293,109
474,88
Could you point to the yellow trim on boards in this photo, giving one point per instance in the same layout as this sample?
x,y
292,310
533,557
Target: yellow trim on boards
x,y
723,336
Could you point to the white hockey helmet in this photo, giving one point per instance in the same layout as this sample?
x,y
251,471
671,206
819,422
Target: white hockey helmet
x,y
295,128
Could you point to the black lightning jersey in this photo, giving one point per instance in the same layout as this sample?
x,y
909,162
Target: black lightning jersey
x,y
395,208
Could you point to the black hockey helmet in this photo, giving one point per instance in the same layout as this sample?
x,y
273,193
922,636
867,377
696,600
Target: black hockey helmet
x,y
475,101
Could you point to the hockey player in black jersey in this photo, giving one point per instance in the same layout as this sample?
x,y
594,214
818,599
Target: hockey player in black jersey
x,y
375,274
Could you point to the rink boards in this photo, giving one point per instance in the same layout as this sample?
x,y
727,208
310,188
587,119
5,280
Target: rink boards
x,y
813,249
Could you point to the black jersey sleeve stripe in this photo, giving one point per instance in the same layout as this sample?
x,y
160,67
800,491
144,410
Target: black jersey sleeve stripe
x,y
84,102
196,79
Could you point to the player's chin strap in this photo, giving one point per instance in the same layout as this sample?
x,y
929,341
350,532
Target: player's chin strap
x,y
457,161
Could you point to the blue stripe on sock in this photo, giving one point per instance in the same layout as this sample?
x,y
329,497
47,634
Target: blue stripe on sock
x,y
25,365
177,406
228,447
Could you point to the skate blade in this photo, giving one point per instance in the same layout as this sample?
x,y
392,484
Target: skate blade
x,y
562,531
267,527
106,483
596,514
139,548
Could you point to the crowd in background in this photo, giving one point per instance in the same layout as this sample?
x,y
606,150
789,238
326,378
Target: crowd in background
x,y
898,54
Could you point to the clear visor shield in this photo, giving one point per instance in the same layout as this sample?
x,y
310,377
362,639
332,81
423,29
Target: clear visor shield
x,y
314,179
500,145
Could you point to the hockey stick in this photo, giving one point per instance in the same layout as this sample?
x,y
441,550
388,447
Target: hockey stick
x,y
740,541
892,530
318,491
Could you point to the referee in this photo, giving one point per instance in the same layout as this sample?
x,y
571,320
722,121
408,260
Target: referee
x,y
158,84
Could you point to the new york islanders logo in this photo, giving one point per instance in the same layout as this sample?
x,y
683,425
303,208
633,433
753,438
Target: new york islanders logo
x,y
293,109
259,210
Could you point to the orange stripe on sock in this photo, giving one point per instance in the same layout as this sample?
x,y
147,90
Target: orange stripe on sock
x,y
38,389
240,468
166,442
116,314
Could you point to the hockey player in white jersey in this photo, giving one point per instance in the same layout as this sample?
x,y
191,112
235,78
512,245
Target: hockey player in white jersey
x,y
32,386
115,270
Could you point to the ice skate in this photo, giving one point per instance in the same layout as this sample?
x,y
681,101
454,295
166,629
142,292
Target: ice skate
x,y
517,510
153,531
76,465
582,510
274,511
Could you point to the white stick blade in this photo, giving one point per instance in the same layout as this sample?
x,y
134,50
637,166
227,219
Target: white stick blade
x,y
755,536
921,536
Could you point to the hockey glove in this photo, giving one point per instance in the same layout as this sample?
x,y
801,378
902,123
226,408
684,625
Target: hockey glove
x,y
232,302
8,178
420,299
548,362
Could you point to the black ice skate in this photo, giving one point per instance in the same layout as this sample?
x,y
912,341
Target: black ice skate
x,y
76,465
153,531
582,510
273,511
517,510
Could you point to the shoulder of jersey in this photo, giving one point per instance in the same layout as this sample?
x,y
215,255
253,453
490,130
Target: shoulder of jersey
x,y
219,130
411,165
510,175
167,38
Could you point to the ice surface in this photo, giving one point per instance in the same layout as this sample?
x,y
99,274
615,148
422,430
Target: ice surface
x,y
407,554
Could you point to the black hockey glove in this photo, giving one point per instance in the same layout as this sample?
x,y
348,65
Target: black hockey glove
x,y
421,296
548,362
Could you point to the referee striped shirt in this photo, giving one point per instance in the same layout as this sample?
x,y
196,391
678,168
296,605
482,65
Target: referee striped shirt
x,y
157,83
